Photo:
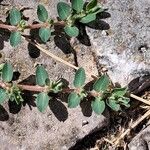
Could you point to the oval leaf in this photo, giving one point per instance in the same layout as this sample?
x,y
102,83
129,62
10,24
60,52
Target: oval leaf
x,y
44,34
3,95
42,13
88,18
98,105
80,77
7,72
71,31
91,4
42,101
15,38
73,100
77,5
101,84
113,105
41,75
64,10
14,16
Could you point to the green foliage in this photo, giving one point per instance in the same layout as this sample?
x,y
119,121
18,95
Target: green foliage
x,y
42,101
77,5
101,84
7,72
41,75
3,95
42,13
14,94
44,34
72,31
80,77
119,92
98,105
88,18
91,4
64,10
73,100
14,16
15,38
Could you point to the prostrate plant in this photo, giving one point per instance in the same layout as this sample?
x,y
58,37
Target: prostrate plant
x,y
69,14
101,92
78,11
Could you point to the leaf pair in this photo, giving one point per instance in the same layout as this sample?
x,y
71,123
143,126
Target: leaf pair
x,y
79,81
44,32
64,10
14,19
100,86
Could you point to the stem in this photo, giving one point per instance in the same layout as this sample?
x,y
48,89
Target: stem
x,y
8,27
32,26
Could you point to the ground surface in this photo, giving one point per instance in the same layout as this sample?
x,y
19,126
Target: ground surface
x,y
123,49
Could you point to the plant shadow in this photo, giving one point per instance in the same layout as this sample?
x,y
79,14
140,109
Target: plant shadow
x,y
3,114
58,109
4,36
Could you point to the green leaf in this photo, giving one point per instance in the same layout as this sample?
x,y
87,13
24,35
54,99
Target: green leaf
x,y
7,72
73,100
91,4
14,16
98,105
113,105
42,13
3,95
77,5
64,10
101,84
119,92
15,38
88,18
41,75
71,31
80,77
42,101
44,34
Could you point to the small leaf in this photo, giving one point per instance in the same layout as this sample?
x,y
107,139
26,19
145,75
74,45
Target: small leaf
x,y
42,13
42,101
88,18
64,10
119,92
73,100
80,77
15,38
71,31
113,105
3,95
7,72
14,16
101,84
41,75
77,5
91,4
98,105
44,34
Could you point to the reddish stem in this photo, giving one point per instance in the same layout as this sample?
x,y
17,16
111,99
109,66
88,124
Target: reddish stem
x,y
32,26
